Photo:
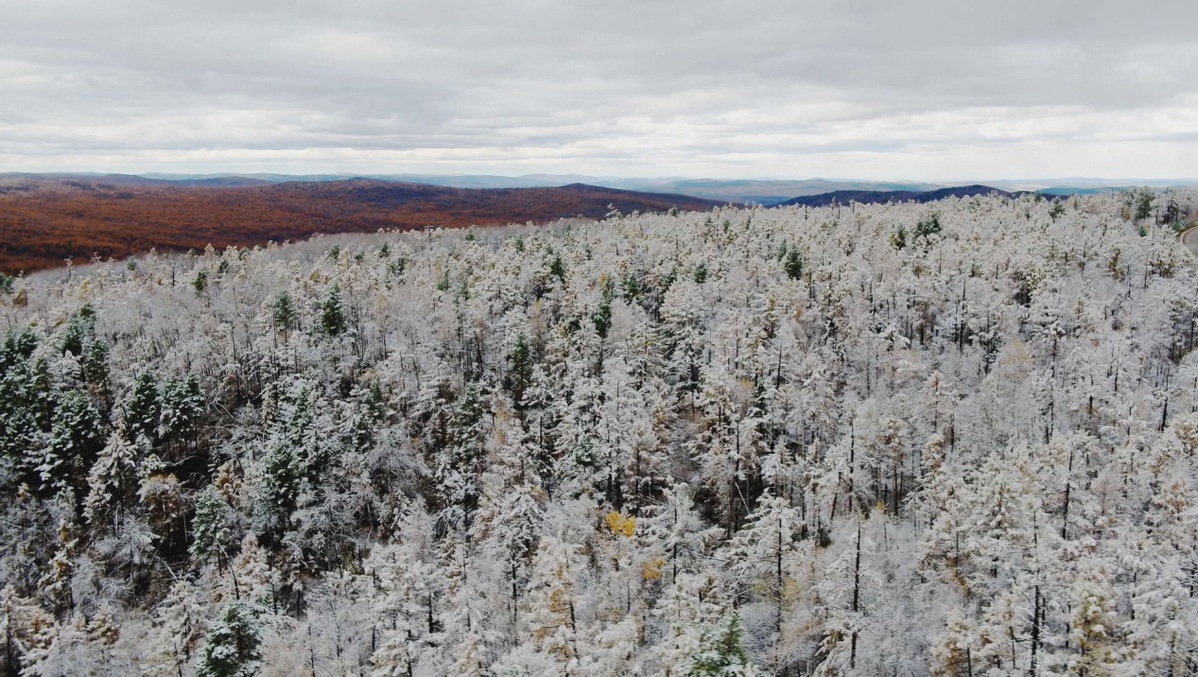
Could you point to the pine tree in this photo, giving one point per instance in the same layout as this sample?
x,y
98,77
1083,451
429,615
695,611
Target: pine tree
x,y
722,653
112,480
794,264
283,313
25,404
75,441
234,643
183,407
80,331
333,321
209,526
144,409
459,465
519,375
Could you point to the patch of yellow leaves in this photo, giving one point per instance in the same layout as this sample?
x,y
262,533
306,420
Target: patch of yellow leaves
x,y
620,525
651,570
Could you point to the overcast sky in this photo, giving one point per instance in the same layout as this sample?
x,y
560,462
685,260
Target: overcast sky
x,y
874,89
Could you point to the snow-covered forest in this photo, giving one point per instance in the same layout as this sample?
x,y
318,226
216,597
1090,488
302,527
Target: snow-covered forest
x,y
953,439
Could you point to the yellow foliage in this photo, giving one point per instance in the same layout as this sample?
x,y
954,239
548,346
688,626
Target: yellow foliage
x,y
651,570
791,592
620,525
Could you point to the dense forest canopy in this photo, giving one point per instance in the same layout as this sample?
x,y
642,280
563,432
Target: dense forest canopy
x,y
954,438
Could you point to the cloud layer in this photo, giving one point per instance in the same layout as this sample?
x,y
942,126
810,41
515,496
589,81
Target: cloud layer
x,y
927,89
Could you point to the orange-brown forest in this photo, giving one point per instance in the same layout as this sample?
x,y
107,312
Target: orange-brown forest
x,y
44,221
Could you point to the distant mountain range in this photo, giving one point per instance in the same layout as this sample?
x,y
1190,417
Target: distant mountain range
x,y
844,197
739,191
766,192
47,218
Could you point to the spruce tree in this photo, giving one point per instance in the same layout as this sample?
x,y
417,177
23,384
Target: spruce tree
x,y
234,641
722,653
332,313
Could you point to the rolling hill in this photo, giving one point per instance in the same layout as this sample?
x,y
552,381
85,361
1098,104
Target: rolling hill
x,y
883,197
45,220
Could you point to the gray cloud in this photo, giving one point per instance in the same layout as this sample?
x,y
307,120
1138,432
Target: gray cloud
x,y
926,89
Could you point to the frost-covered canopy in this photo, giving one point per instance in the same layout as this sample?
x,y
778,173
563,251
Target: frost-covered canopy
x,y
955,438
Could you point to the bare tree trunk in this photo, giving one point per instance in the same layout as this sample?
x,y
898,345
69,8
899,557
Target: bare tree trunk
x,y
856,597
1036,614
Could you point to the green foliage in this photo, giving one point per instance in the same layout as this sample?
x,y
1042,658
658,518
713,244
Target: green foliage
x,y
87,313
519,244
201,282
584,454
557,268
79,339
1057,211
371,412
18,347
143,409
928,227
73,338
95,364
722,652
81,328
899,238
333,321
334,252
234,644
76,436
282,472
6,282
1173,216
1143,200
25,406
283,311
701,273
794,264
632,288
669,279
182,411
209,531
602,315
519,376
459,464
299,457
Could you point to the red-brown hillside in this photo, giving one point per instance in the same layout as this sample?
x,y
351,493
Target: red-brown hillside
x,y
45,220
